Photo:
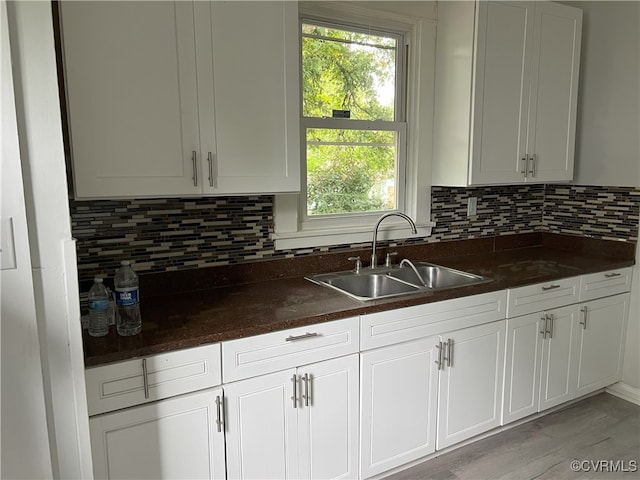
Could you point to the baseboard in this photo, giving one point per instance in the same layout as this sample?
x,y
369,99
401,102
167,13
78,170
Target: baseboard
x,y
624,391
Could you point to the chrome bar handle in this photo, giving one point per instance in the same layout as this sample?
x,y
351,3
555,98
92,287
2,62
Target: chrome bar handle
x,y
449,358
306,379
214,162
611,275
294,397
533,159
550,287
293,338
525,159
145,378
550,331
543,332
584,311
195,168
211,178
439,361
219,421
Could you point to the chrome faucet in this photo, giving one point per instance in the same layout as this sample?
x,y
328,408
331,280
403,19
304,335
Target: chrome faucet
x,y
374,260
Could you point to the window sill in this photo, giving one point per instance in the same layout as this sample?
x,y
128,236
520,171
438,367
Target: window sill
x,y
348,235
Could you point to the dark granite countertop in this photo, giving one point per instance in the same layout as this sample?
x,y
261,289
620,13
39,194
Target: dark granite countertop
x,y
223,303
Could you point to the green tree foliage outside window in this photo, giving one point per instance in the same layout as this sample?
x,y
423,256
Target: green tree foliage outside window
x,y
349,169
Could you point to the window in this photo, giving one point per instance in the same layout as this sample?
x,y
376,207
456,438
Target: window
x,y
366,83
352,120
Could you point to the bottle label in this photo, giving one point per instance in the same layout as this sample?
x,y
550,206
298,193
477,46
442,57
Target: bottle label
x,y
99,305
126,296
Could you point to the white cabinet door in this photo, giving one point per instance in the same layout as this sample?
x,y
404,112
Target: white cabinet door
x,y
130,73
522,366
328,419
399,404
601,329
554,92
470,383
252,128
503,78
559,358
173,438
261,424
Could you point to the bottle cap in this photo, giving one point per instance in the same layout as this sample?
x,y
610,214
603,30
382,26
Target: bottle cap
x,y
125,262
97,279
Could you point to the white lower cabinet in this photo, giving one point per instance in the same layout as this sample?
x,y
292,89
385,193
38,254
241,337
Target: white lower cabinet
x,y
172,438
470,383
297,423
399,391
600,340
428,394
558,357
539,363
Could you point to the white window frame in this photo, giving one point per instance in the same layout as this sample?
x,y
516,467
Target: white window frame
x,y
291,231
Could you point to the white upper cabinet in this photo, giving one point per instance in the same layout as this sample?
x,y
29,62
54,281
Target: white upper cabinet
x,y
130,72
182,98
506,92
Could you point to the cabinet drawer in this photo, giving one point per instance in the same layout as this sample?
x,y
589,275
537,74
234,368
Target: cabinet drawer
x,y
395,326
248,357
133,382
542,296
604,284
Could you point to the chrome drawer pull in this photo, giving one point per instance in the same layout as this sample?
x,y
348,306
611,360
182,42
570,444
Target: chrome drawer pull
x,y
307,384
449,357
611,275
219,421
439,360
145,378
543,332
292,338
294,397
550,287
584,318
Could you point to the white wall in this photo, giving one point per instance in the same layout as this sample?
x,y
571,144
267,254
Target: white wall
x,y
52,250
24,451
608,130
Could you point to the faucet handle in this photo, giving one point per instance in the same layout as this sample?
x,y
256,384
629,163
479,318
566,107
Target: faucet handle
x,y
358,263
387,259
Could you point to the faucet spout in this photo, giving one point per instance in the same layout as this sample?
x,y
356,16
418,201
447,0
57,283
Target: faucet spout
x,y
406,261
374,260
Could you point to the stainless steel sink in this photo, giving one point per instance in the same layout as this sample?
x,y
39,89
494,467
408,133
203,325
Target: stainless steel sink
x,y
365,285
435,276
370,284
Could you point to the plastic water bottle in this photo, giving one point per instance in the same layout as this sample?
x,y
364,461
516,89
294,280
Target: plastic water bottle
x,y
98,309
128,320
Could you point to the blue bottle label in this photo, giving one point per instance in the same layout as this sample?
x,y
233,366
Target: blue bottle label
x,y
126,296
99,305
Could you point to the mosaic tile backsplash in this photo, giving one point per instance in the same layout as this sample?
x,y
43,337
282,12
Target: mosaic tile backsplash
x,y
186,233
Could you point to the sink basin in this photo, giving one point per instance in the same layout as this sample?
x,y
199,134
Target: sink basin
x,y
392,281
435,276
365,286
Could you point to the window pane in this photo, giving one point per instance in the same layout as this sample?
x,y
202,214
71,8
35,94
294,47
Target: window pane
x,y
348,71
351,171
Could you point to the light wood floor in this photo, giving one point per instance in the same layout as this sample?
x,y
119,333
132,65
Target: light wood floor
x,y
602,427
